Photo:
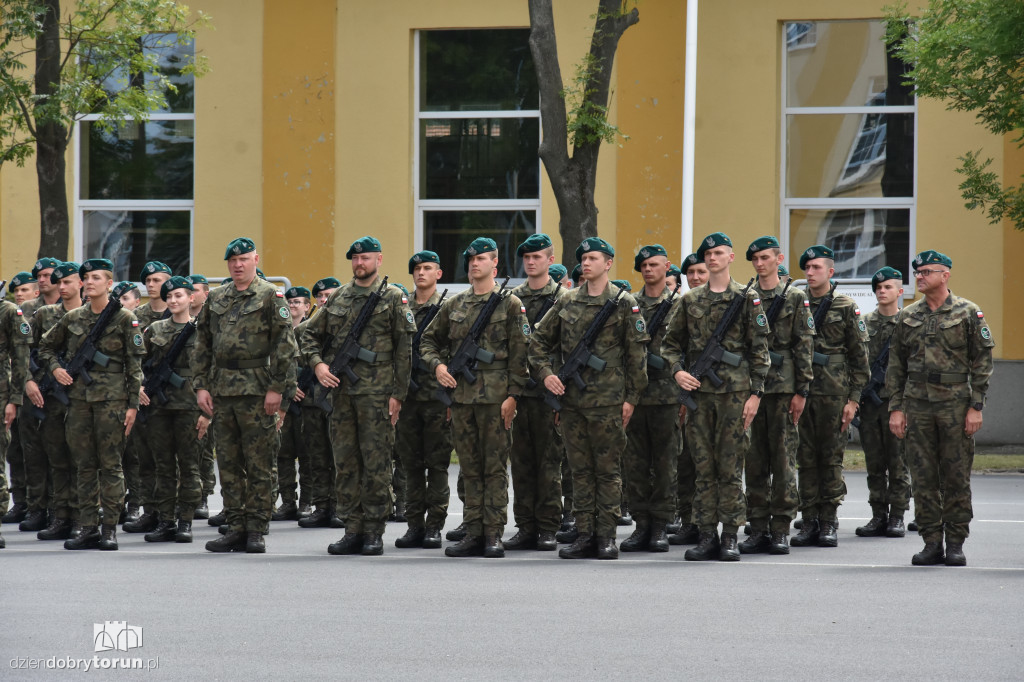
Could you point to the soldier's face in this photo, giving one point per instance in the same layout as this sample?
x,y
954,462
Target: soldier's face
x,y
242,267
697,275
365,265
96,284
154,282
482,266
45,285
718,259
537,263
298,307
179,300
130,301
818,271
201,293
70,287
931,278
426,275
766,262
654,269
593,264
26,292
322,297
888,292
671,282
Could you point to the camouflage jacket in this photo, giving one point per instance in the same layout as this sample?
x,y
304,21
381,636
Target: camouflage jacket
x,y
792,337
147,316
621,343
533,300
843,337
388,334
15,331
158,339
424,377
43,321
30,307
244,342
505,336
692,325
121,341
661,387
940,355
880,328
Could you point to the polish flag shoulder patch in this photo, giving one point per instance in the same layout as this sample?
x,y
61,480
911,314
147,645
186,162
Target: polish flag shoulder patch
x,y
279,294
980,314
757,301
522,309
856,311
135,323
19,312
636,309
404,299
807,304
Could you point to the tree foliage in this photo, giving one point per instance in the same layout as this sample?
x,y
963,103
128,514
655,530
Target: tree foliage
x,y
970,54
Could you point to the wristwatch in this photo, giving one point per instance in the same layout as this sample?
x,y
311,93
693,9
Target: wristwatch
x,y
759,394
804,393
978,406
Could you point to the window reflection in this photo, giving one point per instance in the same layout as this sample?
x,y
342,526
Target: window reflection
x,y
132,238
166,58
864,240
448,233
153,160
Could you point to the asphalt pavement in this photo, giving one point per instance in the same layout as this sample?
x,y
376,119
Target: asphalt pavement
x,y
859,611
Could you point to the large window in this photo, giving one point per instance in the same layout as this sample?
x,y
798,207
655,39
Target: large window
x,y
477,134
848,136
134,186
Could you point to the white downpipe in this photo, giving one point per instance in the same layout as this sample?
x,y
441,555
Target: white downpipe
x,y
689,125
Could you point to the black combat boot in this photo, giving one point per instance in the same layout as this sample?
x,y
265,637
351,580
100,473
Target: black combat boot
x,y
456,534
523,539
876,527
373,544
413,538
659,537
546,541
493,549
779,543
469,545
254,543
565,537
955,554
798,524
757,543
164,532
203,510
638,540
584,547
59,529
89,538
606,548
3,543
688,535
626,519
288,511
321,518
305,510
895,528
912,526
808,535
673,528
183,533
432,538
335,520
929,556
233,541
16,514
218,519
76,530
828,535
34,521
108,538
400,511
728,549
568,520
146,523
350,543
131,512
706,549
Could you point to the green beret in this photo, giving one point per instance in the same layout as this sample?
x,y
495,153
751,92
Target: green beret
x,y
711,241
259,273
63,270
577,272
783,271
557,272
44,264
173,283
400,287
816,251
594,244
622,284
122,288
690,261
297,292
423,257
239,246
20,279
884,274
364,245
96,264
476,247
674,271
199,279
535,242
760,244
648,252
324,284
153,267
932,258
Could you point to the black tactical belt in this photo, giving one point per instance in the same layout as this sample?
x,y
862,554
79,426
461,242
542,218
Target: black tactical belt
x,y
251,363
938,377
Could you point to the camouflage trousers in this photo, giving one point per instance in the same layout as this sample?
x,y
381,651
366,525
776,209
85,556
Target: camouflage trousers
x,y
95,435
16,461
5,442
536,467
176,448
317,435
686,480
820,457
145,474
293,448
941,456
423,440
398,482
207,466
886,462
50,476
653,440
130,465
483,446
362,439
718,443
566,475
247,445
772,497
594,441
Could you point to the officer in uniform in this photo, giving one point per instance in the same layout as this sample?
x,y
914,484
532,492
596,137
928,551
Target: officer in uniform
x,y
594,420
207,465
940,364
154,274
423,436
482,411
49,293
772,498
718,432
102,412
292,447
25,288
14,334
840,373
364,412
884,454
242,365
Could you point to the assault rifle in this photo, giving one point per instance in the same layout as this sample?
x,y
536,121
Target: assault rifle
x,y
774,310
819,319
157,375
582,355
660,313
714,353
417,361
306,382
465,359
877,380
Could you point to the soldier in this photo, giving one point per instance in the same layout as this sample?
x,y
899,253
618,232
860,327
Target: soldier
x,y
364,412
536,443
128,295
25,288
48,291
483,410
102,412
14,334
772,498
594,420
888,476
940,364
242,365
718,431
674,277
840,373
558,273
653,436
154,274
207,466
577,273
423,436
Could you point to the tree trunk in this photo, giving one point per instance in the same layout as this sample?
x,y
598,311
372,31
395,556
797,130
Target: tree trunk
x,y
51,141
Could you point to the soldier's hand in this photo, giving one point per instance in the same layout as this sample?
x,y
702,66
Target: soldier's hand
x,y
682,415
324,376
272,403
687,381
35,396
62,377
554,384
10,412
971,424
129,420
143,398
508,411
443,377
205,401
627,414
898,424
202,426
849,412
299,395
750,410
796,407
394,407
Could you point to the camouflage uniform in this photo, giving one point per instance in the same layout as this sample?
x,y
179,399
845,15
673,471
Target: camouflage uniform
x,y
772,497
715,431
362,437
293,449
171,429
29,308
686,480
843,338
940,364
536,443
480,437
423,439
14,334
140,467
591,420
95,418
244,348
884,453
207,466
